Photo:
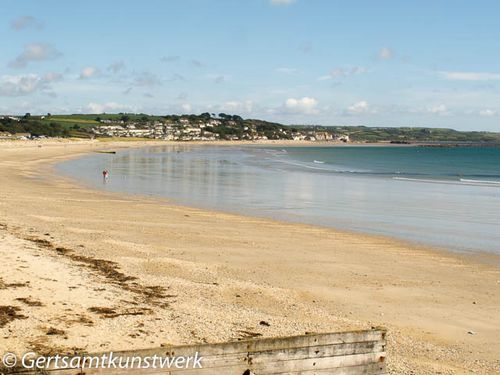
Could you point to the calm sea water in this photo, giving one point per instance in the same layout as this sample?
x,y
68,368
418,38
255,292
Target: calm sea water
x,y
447,197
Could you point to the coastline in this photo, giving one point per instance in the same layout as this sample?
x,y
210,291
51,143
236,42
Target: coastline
x,y
360,189
227,272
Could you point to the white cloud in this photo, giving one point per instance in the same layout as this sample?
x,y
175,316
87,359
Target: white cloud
x,y
385,53
281,2
19,85
26,22
108,107
89,72
440,110
487,112
305,105
26,84
343,72
469,76
35,52
238,107
186,107
360,108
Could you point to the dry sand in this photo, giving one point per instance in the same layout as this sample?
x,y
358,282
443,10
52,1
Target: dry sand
x,y
95,271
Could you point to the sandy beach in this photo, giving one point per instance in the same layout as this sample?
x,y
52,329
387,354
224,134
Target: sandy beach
x,y
91,270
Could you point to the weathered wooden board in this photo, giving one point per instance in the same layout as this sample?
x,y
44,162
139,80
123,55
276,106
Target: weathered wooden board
x,y
349,353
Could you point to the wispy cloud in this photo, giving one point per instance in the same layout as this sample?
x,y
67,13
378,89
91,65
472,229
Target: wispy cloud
x,y
90,72
306,47
469,76
146,79
432,109
196,63
26,84
35,52
52,77
169,59
220,79
385,53
343,72
99,108
235,106
26,22
281,2
439,109
488,112
116,67
285,70
177,77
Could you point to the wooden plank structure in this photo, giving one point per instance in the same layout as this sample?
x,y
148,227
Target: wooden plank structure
x,y
346,353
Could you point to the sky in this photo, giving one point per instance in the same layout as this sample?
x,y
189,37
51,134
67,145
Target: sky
x,y
430,63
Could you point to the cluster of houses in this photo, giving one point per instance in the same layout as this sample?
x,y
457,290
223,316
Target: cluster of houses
x,y
198,128
13,118
184,130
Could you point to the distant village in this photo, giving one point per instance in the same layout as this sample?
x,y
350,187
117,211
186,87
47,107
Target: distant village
x,y
204,127
212,129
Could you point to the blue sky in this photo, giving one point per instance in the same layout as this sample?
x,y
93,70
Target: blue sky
x,y
376,63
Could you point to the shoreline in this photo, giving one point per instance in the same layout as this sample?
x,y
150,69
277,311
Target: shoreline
x,y
483,256
478,256
204,246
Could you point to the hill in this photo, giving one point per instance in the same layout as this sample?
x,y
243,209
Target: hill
x,y
208,126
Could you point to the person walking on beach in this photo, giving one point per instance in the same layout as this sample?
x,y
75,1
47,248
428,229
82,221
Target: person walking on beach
x,y
105,175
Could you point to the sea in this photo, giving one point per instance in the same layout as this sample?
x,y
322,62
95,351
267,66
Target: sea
x,y
440,196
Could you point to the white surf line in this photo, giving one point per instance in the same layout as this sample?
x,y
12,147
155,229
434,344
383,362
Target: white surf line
x,y
480,181
462,182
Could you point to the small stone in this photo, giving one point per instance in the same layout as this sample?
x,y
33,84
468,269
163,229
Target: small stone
x,y
471,333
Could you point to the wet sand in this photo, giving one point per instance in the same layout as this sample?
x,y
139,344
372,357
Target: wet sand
x,y
92,270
